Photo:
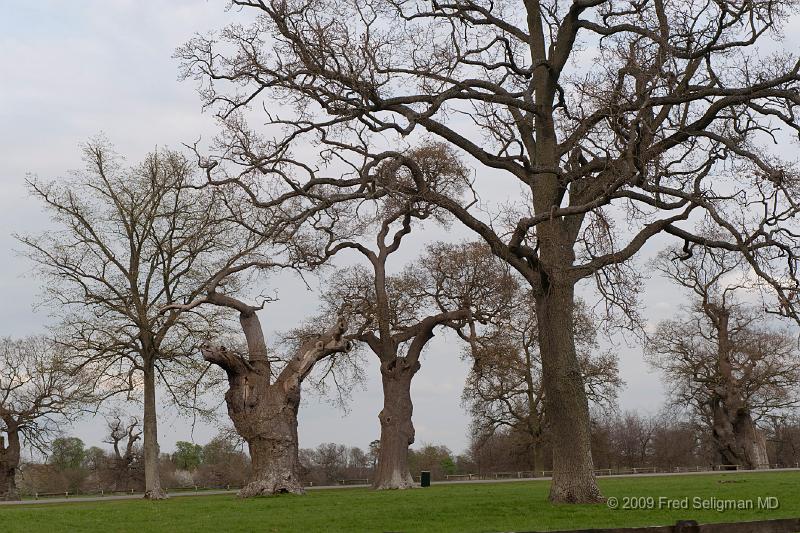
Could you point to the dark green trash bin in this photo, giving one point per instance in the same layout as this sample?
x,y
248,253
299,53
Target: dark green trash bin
x,y
425,478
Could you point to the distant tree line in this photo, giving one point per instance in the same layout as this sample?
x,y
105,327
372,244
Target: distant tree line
x,y
74,468
621,442
628,440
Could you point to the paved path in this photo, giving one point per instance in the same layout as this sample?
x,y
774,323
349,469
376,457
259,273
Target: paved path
x,y
181,494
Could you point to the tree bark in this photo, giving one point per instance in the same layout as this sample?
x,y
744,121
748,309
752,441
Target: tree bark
x,y
266,418
9,464
737,439
565,399
265,414
397,429
152,479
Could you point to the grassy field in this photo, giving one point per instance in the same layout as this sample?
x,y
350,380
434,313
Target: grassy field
x,y
516,506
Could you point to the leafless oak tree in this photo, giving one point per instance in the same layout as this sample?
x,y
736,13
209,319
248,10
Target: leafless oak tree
x,y
396,316
504,389
263,398
619,120
722,358
128,242
38,388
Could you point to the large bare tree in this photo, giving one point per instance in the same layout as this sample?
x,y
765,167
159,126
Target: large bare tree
x,y
263,396
504,389
38,389
722,357
127,242
619,120
396,316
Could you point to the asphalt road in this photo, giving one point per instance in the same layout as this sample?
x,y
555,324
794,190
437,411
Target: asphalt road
x,y
183,494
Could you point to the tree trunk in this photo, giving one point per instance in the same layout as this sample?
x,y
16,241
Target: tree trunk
x,y
264,414
565,399
532,449
737,439
751,441
735,435
152,479
9,463
268,423
397,429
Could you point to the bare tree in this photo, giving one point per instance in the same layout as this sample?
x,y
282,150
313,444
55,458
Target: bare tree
x,y
37,389
784,440
128,242
722,358
675,441
632,437
396,316
123,436
504,389
123,432
263,397
613,117
634,440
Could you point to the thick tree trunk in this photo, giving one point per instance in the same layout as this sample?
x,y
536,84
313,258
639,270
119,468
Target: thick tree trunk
x,y
736,436
267,420
9,463
152,479
265,414
566,405
737,439
397,430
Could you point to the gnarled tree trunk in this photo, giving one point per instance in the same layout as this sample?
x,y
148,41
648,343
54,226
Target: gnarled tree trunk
x,y
566,404
265,414
274,453
397,429
152,479
736,437
266,417
9,463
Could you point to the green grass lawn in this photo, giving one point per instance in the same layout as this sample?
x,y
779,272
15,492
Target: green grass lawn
x,y
516,506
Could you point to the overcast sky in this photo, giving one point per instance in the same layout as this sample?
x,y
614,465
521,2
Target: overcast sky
x,y
72,69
